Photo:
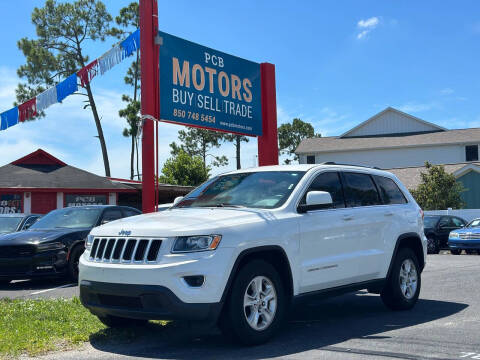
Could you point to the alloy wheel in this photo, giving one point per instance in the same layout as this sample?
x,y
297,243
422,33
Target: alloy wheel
x,y
408,279
260,303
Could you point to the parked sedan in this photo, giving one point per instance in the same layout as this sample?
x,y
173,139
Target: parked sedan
x,y
53,245
16,222
437,228
467,239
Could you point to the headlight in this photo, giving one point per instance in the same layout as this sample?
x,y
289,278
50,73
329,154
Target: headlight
x,y
453,235
50,246
89,242
196,243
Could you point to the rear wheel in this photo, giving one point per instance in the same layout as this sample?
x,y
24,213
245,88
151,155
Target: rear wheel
x,y
73,262
256,305
471,252
120,322
456,251
432,245
403,285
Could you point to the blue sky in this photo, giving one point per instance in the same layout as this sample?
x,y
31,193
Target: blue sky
x,y
337,64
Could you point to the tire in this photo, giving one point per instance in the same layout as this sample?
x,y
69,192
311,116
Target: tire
x,y
250,324
73,262
455,251
471,252
394,295
432,245
119,322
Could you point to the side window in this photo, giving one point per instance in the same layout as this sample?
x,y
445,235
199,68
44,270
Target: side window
x,y
330,182
458,222
360,190
310,159
129,212
445,222
111,215
30,221
389,191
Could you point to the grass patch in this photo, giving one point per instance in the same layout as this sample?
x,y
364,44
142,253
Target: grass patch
x,y
37,326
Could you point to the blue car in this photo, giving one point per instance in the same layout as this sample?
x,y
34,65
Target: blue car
x,y
467,238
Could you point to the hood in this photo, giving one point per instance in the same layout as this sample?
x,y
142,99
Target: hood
x,y
38,236
474,230
184,221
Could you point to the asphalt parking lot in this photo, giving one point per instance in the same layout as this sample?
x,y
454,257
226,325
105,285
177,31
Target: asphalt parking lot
x,y
445,324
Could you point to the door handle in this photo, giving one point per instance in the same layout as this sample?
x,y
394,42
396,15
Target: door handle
x,y
347,217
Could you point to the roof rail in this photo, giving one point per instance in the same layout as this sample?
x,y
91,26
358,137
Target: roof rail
x,y
363,166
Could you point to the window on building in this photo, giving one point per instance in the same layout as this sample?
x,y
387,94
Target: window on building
x,y
329,182
310,159
389,191
471,153
360,190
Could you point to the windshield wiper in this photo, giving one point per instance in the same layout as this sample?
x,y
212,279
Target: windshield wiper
x,y
221,205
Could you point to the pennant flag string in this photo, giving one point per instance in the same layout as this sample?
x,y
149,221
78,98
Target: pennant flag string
x,y
67,87
46,98
59,92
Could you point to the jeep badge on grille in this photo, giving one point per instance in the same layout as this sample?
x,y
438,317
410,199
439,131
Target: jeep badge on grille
x,y
124,233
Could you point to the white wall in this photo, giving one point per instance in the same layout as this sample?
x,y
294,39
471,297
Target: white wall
x,y
467,214
391,122
394,158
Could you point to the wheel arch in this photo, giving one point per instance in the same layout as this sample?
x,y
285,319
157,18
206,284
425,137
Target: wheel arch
x,y
412,241
273,254
73,246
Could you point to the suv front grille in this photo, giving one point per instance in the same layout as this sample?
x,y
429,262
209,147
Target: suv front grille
x,y
125,251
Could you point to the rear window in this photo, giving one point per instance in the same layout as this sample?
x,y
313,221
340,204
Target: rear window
x,y
360,190
389,191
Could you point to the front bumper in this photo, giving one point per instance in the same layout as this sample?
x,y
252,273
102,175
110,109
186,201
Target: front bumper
x,y
464,244
149,302
44,264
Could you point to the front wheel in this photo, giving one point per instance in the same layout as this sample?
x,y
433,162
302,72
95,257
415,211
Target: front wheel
x,y
455,251
73,262
403,285
256,305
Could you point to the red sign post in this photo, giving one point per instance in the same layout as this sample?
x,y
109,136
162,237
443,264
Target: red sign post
x,y
150,104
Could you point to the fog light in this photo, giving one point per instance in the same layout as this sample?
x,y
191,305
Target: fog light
x,y
194,281
46,267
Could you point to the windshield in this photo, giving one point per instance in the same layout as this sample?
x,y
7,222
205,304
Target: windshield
x,y
9,224
70,218
474,223
430,221
268,190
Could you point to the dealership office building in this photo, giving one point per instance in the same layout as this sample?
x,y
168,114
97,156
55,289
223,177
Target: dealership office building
x,y
39,182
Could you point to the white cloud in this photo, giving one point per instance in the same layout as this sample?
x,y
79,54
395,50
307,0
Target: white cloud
x,y
368,23
366,26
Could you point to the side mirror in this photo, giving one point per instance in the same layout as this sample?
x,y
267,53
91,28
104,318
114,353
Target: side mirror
x,y
177,200
316,200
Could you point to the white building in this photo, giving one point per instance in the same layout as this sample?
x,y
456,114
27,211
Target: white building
x,y
392,139
403,143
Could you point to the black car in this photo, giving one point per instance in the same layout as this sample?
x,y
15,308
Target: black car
x,y
437,228
16,222
53,245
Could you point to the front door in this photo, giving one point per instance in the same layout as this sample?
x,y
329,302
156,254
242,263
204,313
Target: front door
x,y
325,237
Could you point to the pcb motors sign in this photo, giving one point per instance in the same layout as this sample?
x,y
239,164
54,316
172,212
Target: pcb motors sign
x,y
207,88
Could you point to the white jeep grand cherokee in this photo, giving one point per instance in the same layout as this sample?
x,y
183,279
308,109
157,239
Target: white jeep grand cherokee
x,y
242,247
